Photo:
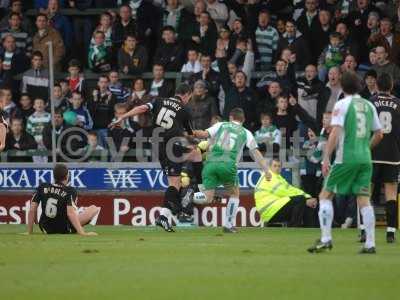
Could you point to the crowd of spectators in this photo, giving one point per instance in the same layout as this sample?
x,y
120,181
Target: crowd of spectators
x,y
298,48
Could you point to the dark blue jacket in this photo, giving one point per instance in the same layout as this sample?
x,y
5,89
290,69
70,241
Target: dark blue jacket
x,y
64,27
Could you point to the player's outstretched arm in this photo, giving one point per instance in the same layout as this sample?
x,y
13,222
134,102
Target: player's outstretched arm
x,y
259,159
73,218
31,216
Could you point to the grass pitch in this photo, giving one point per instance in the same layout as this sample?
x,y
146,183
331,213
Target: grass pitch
x,y
201,263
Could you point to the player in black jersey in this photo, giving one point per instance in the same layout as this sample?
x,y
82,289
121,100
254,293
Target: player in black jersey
x,y
58,203
386,155
170,115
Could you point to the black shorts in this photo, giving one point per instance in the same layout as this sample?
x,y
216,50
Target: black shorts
x,y
63,227
384,173
172,159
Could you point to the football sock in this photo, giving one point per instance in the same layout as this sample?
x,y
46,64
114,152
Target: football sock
x,y
200,198
197,169
172,200
368,215
231,210
325,215
391,215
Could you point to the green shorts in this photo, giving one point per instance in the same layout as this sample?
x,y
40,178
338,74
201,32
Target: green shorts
x,y
349,179
219,173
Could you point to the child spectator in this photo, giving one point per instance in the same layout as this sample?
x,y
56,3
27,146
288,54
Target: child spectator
x,y
58,99
193,64
92,148
65,88
26,107
132,58
76,81
105,26
35,81
268,135
116,87
99,55
36,123
83,118
332,56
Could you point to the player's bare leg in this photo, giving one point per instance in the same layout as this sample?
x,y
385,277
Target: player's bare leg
x,y
325,215
231,209
391,210
88,214
368,215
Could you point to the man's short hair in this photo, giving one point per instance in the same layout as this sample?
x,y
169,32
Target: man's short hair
x,y
74,63
42,15
121,106
237,114
183,89
59,111
350,83
17,119
60,173
168,28
13,14
37,54
384,82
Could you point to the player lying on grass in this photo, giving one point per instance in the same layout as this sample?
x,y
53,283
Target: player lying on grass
x,y
58,203
353,120
227,140
278,201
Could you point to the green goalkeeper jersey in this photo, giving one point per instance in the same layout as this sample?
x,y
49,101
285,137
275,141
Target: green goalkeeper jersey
x,y
358,118
227,140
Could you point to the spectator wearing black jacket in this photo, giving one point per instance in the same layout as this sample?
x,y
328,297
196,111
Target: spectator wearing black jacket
x,y
159,86
177,16
147,17
237,94
313,95
211,77
123,26
170,52
101,107
357,22
308,19
132,58
26,107
320,32
18,139
13,59
285,116
202,107
295,41
205,35
286,79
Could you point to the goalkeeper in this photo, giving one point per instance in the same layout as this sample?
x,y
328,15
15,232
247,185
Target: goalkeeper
x,y
278,201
